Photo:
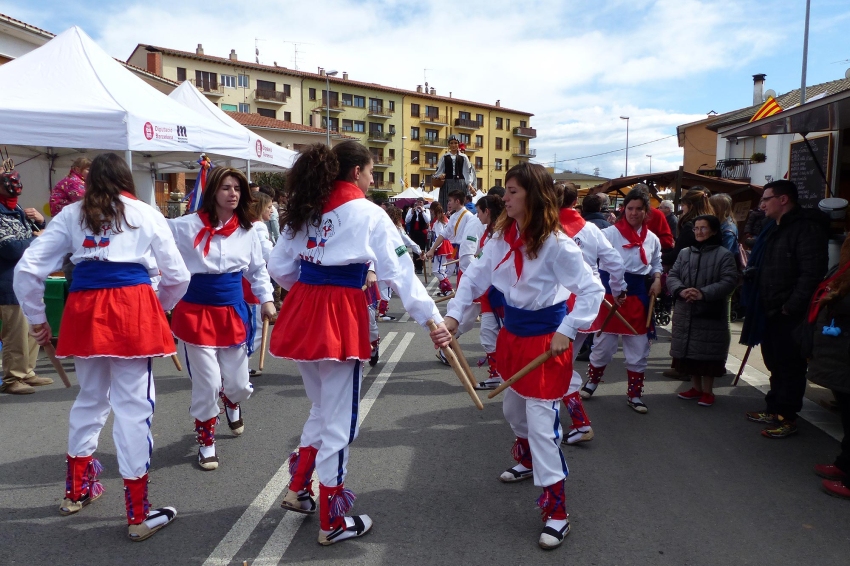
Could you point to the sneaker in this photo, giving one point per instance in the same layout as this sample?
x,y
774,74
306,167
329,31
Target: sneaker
x,y
636,404
442,358
385,318
575,435
207,462
16,388
706,400
757,417
588,389
37,381
781,429
157,519
488,385
691,394
552,537
830,472
355,526
299,501
513,474
836,489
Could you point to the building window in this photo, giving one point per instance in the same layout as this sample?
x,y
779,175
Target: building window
x,y
414,133
480,183
414,108
463,138
267,113
464,115
242,81
431,134
431,158
392,154
427,180
498,143
432,112
206,81
523,124
229,107
245,107
359,126
346,100
376,128
228,81
414,180
287,90
334,123
499,124
287,116
507,123
391,176
181,74
378,178
392,105
392,129
507,144
480,119
507,164
479,141
312,94
498,182
498,165
360,102
347,125
414,157
479,163
376,105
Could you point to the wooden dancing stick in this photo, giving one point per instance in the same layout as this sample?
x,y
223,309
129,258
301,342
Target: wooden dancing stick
x,y
263,343
176,361
532,365
57,365
426,263
614,312
451,262
450,356
446,298
743,365
463,362
650,311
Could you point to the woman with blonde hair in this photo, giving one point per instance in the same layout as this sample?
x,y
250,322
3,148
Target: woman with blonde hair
x,y
722,205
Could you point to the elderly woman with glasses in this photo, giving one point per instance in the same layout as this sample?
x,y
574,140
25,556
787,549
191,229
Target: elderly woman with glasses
x,y
701,282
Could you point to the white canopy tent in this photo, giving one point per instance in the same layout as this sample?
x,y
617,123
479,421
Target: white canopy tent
x,y
410,192
70,98
258,155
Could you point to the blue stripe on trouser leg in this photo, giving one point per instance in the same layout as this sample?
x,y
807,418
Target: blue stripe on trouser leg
x,y
153,408
355,407
556,406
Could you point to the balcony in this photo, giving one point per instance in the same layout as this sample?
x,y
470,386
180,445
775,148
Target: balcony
x,y
735,169
473,147
465,124
208,88
381,137
434,120
335,106
525,132
428,166
381,161
382,186
434,142
527,152
379,112
272,96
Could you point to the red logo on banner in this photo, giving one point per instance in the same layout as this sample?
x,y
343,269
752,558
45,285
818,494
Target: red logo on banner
x,y
259,148
148,131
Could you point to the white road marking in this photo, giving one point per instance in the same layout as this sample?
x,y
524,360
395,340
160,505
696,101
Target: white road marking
x,y
251,517
275,547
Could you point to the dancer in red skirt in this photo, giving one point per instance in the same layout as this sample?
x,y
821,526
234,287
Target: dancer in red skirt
x,y
549,294
325,302
113,325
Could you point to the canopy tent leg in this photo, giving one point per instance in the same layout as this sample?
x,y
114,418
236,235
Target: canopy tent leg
x,y
249,170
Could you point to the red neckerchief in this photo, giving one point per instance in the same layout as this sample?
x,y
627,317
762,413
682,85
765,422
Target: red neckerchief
x,y
229,227
632,237
342,192
9,202
816,305
512,237
572,221
130,196
484,237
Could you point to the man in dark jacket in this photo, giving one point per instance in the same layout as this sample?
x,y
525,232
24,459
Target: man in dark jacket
x,y
418,218
20,350
794,262
591,210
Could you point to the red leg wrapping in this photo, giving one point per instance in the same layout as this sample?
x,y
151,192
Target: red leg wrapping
x,y
594,373
335,502
576,409
635,383
521,452
553,503
81,477
301,466
206,431
136,500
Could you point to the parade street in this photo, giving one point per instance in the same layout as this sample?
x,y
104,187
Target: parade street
x,y
680,485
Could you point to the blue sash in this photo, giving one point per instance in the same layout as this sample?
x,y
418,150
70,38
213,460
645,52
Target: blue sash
x,y
90,275
223,290
525,323
352,275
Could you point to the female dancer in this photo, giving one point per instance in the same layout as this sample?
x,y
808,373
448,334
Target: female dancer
x,y
326,190
212,321
113,325
440,227
539,269
261,210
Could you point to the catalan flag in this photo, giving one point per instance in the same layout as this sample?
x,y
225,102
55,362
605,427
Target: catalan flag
x,y
196,195
769,108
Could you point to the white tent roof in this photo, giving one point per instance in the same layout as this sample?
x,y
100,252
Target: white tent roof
x,y
410,192
69,93
259,149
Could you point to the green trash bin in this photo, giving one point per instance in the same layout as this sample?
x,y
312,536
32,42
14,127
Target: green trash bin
x,y
54,300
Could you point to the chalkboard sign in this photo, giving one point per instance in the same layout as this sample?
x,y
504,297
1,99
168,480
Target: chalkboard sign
x,y
803,170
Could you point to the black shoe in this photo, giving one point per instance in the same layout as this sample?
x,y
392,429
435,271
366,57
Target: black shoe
x,y
373,361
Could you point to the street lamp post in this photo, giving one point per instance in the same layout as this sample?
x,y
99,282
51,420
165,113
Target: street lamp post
x,y
650,164
328,102
626,118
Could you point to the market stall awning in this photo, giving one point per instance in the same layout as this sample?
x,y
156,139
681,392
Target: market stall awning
x,y
669,179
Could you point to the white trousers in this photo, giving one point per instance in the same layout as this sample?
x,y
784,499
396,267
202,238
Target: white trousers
x,y
540,423
334,389
489,332
210,369
126,387
258,327
385,291
374,333
635,350
575,381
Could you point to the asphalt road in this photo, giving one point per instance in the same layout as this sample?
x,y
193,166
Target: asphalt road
x,y
682,485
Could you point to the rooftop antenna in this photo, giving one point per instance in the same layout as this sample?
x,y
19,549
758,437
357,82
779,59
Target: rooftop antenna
x,y
295,45
257,49
425,75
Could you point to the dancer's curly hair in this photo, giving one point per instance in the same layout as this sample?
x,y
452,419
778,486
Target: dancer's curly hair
x,y
108,177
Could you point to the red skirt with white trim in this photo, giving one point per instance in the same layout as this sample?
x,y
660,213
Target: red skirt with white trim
x,y
127,322
206,325
548,382
632,310
322,322
248,294
446,249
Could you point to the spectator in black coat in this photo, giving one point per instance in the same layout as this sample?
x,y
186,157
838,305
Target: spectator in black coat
x,y
591,210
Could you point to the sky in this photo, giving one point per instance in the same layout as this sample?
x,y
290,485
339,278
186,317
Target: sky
x,y
576,65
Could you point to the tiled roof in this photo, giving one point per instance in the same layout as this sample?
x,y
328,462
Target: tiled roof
x,y
335,80
786,101
26,26
565,176
257,121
